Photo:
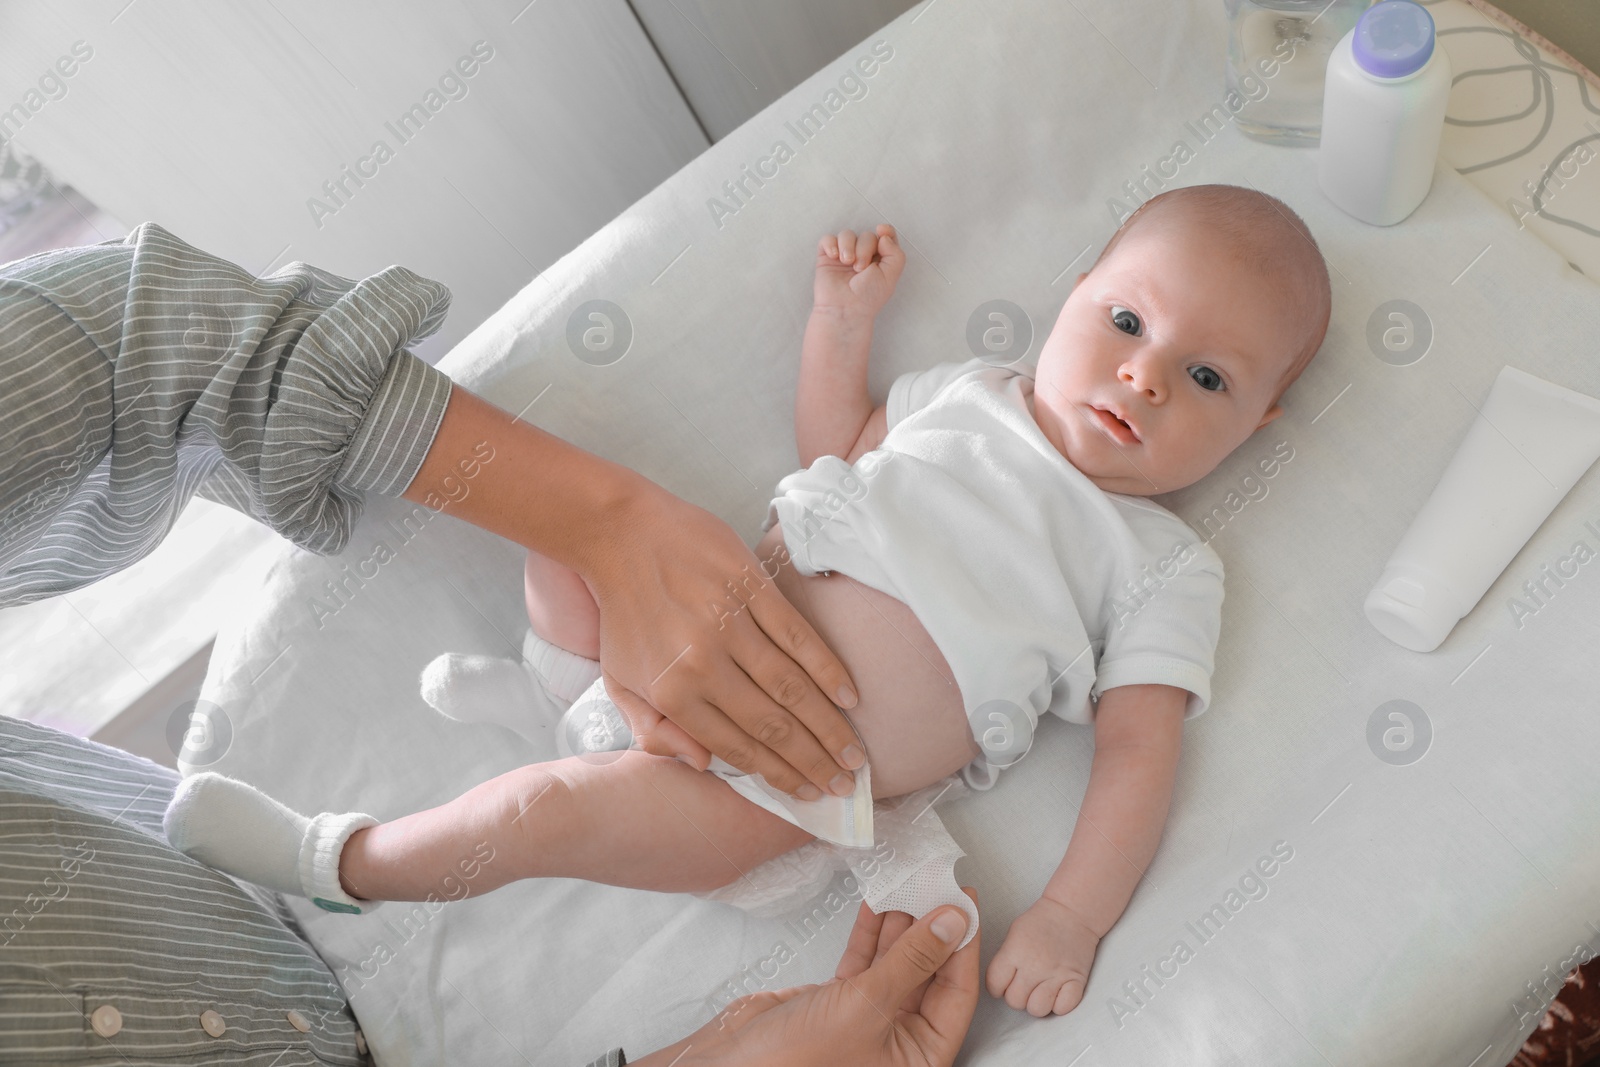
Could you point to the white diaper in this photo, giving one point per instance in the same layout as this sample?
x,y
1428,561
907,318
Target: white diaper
x,y
911,869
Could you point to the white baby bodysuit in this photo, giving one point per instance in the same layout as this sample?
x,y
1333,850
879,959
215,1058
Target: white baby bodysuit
x,y
1038,587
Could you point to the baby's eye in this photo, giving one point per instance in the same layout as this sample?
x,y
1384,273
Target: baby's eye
x,y
1123,317
1210,376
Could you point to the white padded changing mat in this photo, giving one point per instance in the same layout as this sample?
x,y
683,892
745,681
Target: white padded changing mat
x,y
1417,899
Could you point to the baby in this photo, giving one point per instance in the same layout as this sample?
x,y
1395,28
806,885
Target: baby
x,y
1001,561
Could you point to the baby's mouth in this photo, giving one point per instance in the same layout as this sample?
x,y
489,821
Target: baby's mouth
x,y
1119,430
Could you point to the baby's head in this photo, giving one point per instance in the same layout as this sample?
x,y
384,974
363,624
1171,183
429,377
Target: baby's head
x,y
1204,306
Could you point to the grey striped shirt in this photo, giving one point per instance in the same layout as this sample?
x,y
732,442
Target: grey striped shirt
x,y
136,372
117,949
114,946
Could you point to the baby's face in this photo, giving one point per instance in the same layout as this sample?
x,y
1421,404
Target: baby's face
x,y
1185,343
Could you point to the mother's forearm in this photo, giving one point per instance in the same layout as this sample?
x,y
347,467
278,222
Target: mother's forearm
x,y
513,479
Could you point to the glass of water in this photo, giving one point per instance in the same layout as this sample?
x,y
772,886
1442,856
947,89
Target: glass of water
x,y
1277,60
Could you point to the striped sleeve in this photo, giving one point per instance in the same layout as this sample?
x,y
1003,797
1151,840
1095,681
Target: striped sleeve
x,y
117,949
136,372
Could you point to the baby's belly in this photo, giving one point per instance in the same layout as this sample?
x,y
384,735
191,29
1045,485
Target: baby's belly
x,y
910,714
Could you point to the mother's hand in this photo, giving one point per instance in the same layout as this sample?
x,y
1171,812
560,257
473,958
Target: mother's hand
x,y
692,629
689,627
899,999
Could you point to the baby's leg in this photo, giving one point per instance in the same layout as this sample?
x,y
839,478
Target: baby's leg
x,y
627,819
561,606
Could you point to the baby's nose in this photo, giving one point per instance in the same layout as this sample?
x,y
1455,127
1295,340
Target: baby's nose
x,y
1143,378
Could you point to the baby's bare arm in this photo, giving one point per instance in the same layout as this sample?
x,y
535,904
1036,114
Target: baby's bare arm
x,y
1044,964
831,402
833,410
1138,734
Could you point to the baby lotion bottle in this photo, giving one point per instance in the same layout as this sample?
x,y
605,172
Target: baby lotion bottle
x,y
1528,447
1382,113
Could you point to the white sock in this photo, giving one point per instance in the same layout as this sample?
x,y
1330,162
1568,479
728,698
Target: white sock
x,y
565,674
592,724
234,827
497,690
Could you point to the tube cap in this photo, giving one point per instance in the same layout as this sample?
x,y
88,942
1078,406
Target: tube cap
x,y
1409,607
1393,39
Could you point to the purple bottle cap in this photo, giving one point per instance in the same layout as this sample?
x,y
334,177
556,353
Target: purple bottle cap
x,y
1393,38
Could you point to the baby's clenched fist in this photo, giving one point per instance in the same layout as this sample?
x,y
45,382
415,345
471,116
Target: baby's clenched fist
x,y
1043,965
857,273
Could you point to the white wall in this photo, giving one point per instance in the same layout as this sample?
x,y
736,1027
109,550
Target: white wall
x,y
734,57
222,122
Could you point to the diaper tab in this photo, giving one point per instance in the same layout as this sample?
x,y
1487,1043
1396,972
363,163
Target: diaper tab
x,y
918,875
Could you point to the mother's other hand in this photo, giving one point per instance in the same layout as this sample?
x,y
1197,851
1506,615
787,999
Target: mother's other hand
x,y
899,999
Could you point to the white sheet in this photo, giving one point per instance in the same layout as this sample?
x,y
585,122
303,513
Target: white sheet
x,y
1418,900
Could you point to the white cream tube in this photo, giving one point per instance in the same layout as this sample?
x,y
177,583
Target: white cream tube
x,y
1530,444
